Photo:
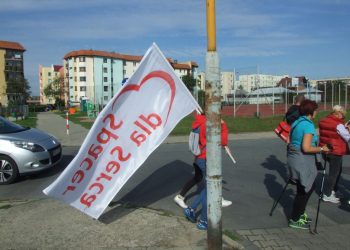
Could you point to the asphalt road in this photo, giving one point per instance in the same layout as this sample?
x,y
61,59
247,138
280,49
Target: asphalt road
x,y
252,184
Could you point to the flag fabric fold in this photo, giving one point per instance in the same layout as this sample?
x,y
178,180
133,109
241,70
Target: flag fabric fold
x,y
132,125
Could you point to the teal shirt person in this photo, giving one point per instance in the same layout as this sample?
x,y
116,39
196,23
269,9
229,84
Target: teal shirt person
x,y
299,128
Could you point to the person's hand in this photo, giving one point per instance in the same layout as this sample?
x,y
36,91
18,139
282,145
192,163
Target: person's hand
x,y
325,149
347,126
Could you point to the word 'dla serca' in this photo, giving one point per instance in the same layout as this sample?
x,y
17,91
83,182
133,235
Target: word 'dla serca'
x,y
108,134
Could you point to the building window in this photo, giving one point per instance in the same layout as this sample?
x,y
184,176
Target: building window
x,y
83,88
82,78
105,79
82,69
75,88
75,69
75,78
124,72
134,63
82,59
104,60
49,73
105,70
105,88
124,63
105,98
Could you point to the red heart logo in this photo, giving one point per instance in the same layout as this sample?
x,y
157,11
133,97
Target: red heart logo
x,y
154,74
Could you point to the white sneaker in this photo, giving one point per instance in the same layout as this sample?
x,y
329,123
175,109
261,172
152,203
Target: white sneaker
x,y
180,200
337,194
330,198
225,203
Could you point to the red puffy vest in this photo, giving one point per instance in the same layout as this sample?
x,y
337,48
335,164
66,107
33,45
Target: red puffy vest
x,y
328,134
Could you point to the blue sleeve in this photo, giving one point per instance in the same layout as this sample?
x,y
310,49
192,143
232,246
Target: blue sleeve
x,y
309,128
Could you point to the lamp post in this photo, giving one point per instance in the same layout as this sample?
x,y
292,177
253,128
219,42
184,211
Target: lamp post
x,y
213,124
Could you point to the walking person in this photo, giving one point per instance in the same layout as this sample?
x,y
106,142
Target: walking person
x,y
200,161
334,132
301,161
196,179
293,111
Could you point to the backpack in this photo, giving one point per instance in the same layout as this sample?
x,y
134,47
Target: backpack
x,y
193,142
282,131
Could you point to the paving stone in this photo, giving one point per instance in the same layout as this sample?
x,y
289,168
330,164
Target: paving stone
x,y
269,243
258,231
271,237
257,243
256,237
274,231
244,232
282,248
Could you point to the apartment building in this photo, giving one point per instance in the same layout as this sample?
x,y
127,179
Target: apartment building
x,y
228,82
11,69
46,76
98,75
253,81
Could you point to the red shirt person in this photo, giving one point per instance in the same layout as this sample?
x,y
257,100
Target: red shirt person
x,y
334,132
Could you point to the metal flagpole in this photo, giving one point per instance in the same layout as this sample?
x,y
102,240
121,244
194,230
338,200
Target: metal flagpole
x,y
339,93
332,94
285,101
213,124
273,100
325,95
346,96
234,92
258,89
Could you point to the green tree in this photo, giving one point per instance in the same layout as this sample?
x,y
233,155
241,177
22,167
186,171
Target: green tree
x,y
189,81
18,90
56,90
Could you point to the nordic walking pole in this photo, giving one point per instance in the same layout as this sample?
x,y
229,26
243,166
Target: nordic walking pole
x,y
278,199
228,151
321,195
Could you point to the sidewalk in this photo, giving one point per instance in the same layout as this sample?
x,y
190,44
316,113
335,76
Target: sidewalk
x,y
51,224
56,125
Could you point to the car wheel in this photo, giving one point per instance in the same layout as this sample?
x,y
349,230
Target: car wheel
x,y
8,170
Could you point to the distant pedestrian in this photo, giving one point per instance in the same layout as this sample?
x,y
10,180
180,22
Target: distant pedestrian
x,y
293,111
200,162
301,161
334,132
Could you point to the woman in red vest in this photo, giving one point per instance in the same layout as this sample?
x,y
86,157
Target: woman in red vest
x,y
334,132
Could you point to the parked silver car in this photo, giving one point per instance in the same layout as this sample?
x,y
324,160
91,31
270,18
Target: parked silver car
x,y
25,150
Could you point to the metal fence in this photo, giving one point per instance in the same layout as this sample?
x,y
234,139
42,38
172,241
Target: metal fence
x,y
17,112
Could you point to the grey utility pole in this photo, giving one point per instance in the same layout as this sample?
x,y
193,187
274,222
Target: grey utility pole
x,y
213,123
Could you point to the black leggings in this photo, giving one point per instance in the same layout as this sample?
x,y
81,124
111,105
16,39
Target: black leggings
x,y
300,201
193,181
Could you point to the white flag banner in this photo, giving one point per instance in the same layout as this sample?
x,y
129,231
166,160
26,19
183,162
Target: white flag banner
x,y
133,124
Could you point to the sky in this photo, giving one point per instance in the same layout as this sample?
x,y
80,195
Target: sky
x,y
291,37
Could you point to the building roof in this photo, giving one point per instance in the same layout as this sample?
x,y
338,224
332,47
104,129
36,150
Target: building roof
x,y
91,53
268,91
57,68
11,45
102,54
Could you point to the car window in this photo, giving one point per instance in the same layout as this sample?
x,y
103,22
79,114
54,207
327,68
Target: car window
x,y
7,127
